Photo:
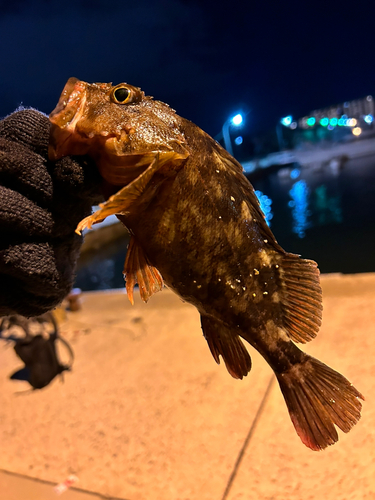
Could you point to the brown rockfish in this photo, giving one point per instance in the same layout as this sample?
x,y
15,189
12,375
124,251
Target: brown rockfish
x,y
196,225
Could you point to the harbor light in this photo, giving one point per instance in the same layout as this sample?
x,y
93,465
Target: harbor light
x,y
311,121
237,119
286,121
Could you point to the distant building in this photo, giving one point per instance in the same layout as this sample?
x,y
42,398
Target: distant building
x,y
359,112
343,122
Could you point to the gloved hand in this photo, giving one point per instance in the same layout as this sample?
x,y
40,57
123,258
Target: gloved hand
x,y
41,203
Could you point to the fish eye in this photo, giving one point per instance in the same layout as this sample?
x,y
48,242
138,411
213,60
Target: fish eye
x,y
121,95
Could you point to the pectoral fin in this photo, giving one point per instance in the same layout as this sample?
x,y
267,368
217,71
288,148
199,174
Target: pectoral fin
x,y
165,163
226,343
137,269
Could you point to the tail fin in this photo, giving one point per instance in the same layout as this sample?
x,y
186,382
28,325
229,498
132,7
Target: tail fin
x,y
318,398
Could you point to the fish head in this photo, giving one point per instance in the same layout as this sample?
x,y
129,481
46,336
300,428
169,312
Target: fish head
x,y
117,125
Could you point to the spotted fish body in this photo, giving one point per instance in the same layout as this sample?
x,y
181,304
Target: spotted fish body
x,y
196,225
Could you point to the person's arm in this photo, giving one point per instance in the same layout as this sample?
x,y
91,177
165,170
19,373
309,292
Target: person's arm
x,y
41,203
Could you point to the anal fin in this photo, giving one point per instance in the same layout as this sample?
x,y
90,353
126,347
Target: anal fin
x,y
224,342
301,298
137,269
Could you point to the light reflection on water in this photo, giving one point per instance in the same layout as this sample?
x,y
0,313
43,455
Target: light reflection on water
x,y
325,212
299,205
303,204
328,208
265,205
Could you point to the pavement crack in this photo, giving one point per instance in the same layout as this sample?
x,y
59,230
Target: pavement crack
x,y
248,438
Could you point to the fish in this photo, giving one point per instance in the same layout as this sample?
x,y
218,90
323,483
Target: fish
x,y
196,226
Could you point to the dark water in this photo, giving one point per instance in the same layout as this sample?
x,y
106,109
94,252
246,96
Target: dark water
x,y
102,269
326,214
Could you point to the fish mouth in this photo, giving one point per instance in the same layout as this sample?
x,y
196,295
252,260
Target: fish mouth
x,y
64,119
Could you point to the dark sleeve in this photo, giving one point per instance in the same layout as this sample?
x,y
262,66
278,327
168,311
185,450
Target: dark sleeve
x,y
41,203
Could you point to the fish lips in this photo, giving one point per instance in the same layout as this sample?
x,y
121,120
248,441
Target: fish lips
x,y
64,119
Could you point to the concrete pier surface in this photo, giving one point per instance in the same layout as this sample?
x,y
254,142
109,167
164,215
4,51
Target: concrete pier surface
x,y
146,414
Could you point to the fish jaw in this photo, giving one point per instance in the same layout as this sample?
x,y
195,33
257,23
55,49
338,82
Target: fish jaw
x,y
64,138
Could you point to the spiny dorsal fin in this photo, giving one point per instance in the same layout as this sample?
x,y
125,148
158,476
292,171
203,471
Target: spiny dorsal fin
x,y
137,269
226,343
301,298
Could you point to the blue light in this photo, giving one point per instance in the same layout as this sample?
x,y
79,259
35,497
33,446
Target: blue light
x,y
333,122
324,122
238,140
295,173
287,120
300,207
265,205
311,121
237,119
369,118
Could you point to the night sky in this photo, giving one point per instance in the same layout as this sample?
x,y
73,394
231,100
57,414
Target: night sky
x,y
205,59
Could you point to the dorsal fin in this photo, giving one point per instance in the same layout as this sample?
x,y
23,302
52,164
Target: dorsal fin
x,y
301,298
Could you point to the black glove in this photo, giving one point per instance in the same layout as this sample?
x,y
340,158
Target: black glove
x,y
41,203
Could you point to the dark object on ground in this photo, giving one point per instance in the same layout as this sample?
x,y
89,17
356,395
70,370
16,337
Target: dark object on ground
x,y
74,300
37,352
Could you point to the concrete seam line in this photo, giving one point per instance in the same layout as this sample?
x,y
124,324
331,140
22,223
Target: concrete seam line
x,y
51,483
248,438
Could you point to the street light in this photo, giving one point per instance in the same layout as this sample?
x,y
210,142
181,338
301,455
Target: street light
x,y
236,121
287,122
